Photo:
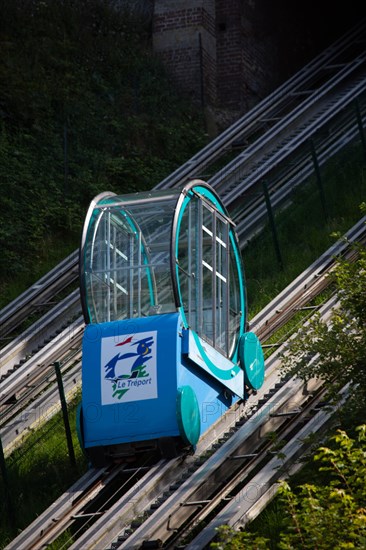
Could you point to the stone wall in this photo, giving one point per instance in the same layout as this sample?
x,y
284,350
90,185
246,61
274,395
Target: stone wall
x,y
227,55
211,49
179,31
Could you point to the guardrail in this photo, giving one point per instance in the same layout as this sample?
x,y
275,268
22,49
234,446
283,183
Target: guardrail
x,y
262,125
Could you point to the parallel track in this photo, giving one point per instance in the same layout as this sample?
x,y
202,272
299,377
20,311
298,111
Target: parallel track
x,y
233,191
333,79
39,296
18,417
255,493
272,398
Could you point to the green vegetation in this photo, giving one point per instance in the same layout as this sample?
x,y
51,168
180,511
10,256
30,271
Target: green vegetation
x,y
38,472
341,345
85,107
329,512
303,232
315,515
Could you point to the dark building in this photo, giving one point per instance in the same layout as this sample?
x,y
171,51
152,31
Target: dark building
x,y
229,54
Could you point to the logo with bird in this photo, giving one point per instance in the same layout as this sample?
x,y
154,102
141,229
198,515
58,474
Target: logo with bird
x,y
135,356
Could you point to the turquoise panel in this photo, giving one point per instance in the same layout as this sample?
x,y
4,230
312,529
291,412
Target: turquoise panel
x,y
188,415
210,360
252,360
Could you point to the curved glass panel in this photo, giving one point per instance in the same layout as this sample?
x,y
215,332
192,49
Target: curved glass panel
x,y
149,253
236,315
126,257
209,273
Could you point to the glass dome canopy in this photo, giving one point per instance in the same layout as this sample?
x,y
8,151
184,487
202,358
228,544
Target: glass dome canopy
x,y
161,252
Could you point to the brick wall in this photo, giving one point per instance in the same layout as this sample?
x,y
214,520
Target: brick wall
x,y
179,30
211,50
229,54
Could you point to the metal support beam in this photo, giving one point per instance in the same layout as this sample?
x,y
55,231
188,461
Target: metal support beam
x,y
360,127
65,413
272,224
318,178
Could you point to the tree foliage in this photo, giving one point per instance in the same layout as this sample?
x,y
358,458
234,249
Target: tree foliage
x,y
331,514
319,516
336,351
85,107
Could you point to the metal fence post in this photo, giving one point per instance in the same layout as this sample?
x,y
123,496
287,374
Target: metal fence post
x,y
318,178
64,413
8,501
66,160
360,126
272,224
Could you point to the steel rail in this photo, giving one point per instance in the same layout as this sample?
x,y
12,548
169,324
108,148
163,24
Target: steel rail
x,y
58,516
269,110
284,178
239,511
288,422
280,135
30,371
36,336
123,512
39,294
282,150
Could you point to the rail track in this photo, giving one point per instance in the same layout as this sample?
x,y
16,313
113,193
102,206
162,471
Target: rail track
x,y
42,294
245,504
277,112
245,425
27,405
40,333
173,494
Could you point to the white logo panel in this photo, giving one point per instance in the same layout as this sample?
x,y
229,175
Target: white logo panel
x,y
128,368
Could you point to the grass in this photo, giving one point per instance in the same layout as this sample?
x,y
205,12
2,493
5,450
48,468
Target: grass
x,y
270,521
56,248
85,108
303,232
40,471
